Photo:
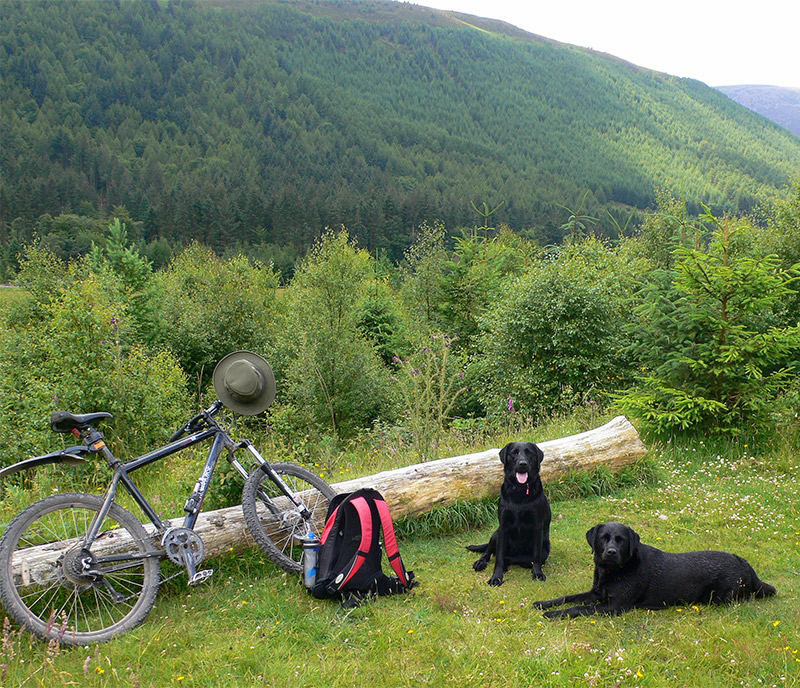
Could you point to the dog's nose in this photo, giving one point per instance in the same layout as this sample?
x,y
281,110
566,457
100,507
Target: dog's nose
x,y
611,551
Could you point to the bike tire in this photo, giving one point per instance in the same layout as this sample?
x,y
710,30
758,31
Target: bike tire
x,y
280,535
44,588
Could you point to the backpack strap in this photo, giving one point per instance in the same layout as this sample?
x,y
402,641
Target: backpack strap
x,y
390,540
351,568
329,523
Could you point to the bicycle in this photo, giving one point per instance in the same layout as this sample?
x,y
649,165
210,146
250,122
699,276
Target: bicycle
x,y
80,569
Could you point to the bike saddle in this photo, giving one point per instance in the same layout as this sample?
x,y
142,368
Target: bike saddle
x,y
64,421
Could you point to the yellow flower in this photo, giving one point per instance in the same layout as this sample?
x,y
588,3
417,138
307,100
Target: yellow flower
x,y
100,670
777,623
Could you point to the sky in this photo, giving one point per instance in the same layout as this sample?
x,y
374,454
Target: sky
x,y
722,43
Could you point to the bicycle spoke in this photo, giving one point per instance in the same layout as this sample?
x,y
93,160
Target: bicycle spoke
x,y
56,585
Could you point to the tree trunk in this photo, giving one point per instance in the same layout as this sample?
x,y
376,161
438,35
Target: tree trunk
x,y
414,490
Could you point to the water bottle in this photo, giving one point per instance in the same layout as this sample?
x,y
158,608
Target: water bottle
x,y
310,550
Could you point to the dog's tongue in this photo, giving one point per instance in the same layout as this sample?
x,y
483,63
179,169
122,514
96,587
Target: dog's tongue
x,y
522,478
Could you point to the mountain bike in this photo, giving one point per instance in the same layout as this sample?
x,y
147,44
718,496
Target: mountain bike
x,y
80,568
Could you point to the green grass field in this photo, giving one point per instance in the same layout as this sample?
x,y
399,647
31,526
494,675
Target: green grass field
x,y
253,625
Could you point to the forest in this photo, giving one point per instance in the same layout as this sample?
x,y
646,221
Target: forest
x,y
690,325
250,127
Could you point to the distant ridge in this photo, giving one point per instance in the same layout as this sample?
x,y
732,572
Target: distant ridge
x,y
261,122
777,103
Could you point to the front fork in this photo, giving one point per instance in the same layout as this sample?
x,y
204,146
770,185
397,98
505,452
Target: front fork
x,y
264,465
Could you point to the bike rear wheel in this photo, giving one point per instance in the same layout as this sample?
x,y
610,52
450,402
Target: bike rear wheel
x,y
274,522
65,592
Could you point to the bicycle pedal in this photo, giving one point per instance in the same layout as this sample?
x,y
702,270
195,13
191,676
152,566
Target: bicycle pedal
x,y
201,576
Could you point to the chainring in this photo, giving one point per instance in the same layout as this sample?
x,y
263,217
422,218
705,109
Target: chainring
x,y
183,546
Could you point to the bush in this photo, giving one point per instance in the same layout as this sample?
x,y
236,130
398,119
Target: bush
x,y
556,338
334,373
212,307
66,348
714,358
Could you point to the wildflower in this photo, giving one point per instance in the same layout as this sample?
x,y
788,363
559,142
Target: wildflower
x,y
100,670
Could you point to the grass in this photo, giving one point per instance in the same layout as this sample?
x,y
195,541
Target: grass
x,y
253,625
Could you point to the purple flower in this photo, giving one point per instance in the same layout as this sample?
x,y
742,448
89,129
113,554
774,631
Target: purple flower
x,y
510,404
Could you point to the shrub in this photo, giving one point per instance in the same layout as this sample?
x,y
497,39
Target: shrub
x,y
212,307
334,373
66,348
430,382
714,358
556,337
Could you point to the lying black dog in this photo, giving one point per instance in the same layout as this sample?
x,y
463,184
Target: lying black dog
x,y
523,536
630,575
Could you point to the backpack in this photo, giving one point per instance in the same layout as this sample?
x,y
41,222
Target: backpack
x,y
349,557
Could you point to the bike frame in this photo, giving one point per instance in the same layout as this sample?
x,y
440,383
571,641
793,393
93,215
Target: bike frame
x,y
194,504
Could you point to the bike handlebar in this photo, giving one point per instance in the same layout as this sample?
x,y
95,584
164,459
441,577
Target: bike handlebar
x,y
195,423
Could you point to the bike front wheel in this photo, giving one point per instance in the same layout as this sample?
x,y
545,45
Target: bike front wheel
x,y
275,523
58,589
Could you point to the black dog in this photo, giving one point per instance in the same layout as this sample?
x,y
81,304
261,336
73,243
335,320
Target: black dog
x,y
523,536
630,575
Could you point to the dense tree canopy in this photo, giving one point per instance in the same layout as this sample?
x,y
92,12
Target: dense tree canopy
x,y
260,123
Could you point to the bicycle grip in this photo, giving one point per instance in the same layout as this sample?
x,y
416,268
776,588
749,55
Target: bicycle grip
x,y
180,432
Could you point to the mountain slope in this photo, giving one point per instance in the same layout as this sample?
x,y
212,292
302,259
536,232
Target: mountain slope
x,y
776,103
264,121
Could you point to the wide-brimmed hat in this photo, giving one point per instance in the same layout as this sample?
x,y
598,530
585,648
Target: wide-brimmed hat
x,y
244,382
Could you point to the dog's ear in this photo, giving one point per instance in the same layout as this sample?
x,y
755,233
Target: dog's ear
x,y
503,455
591,534
538,453
633,541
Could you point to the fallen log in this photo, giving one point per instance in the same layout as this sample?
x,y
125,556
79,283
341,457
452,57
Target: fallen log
x,y
414,490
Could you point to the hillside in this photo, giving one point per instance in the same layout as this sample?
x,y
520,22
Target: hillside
x,y
262,121
781,105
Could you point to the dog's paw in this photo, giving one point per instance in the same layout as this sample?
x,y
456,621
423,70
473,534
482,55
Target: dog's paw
x,y
539,575
540,604
553,614
496,581
479,565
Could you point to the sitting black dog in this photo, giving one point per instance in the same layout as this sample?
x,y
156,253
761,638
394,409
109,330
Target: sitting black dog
x,y
523,536
630,575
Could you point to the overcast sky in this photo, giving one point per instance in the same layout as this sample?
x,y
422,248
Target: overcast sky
x,y
719,42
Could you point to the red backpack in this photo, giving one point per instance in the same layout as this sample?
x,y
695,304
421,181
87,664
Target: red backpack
x,y
349,557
